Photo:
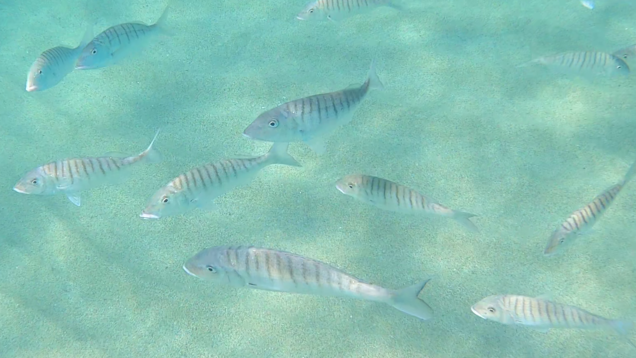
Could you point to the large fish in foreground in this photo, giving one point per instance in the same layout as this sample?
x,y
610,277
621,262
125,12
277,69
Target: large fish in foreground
x,y
582,220
54,64
200,186
265,269
584,63
392,196
340,9
118,42
543,314
72,176
311,119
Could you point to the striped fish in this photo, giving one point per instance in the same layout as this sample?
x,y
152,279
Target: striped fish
x,y
54,64
200,186
72,176
118,42
543,314
311,119
582,220
584,63
265,269
340,9
388,195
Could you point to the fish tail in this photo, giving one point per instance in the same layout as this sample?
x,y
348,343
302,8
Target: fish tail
x,y
373,81
630,173
406,300
464,219
623,327
151,155
278,155
161,22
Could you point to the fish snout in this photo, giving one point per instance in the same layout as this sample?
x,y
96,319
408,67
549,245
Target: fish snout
x,y
145,215
20,189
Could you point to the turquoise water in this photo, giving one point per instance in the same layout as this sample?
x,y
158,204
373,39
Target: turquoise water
x,y
456,120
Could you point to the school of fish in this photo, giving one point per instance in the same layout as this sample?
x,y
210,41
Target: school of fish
x,y
311,120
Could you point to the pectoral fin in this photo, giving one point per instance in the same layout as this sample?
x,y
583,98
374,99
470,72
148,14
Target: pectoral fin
x,y
74,198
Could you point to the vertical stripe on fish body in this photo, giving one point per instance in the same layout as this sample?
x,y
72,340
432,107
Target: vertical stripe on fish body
x,y
339,9
72,176
311,119
589,62
583,219
118,42
272,270
198,187
538,313
389,195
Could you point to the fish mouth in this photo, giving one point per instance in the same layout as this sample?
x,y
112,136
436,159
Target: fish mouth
x,y
246,135
300,18
31,88
340,189
21,191
472,308
188,271
145,215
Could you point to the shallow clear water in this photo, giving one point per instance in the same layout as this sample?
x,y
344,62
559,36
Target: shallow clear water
x,y
457,121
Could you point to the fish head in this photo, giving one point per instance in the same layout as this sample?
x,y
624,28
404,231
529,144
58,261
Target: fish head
x,y
42,76
350,185
491,308
559,239
35,182
167,201
622,68
94,55
272,126
311,11
206,264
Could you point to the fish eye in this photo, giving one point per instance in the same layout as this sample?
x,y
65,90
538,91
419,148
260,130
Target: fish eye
x,y
561,240
311,10
34,181
39,72
492,309
273,123
164,199
94,51
619,67
350,185
210,268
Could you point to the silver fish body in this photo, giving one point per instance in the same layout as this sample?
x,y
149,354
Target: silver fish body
x,y
542,314
72,176
198,187
584,63
392,196
272,270
583,220
339,9
54,64
311,119
117,43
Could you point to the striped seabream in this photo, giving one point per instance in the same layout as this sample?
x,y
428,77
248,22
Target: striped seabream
x,y
543,314
583,63
54,64
388,195
72,176
200,186
583,219
118,42
311,119
340,9
265,269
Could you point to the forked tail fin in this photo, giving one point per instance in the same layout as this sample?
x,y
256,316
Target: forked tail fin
x,y
407,301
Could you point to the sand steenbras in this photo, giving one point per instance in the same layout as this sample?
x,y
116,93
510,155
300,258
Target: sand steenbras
x,y
118,42
72,176
311,119
272,270
200,186
582,220
543,314
340,9
54,64
392,196
583,63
